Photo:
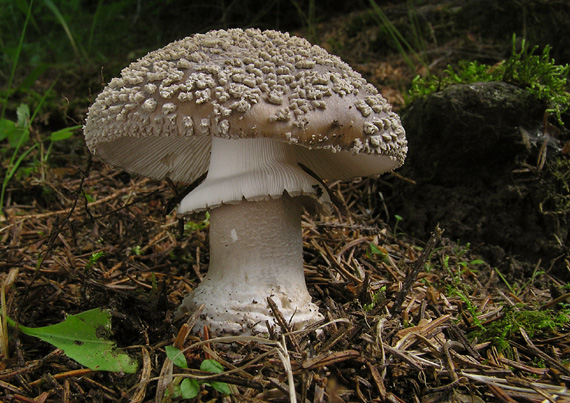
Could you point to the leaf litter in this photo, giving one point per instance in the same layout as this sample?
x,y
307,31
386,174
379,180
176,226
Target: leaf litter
x,y
400,313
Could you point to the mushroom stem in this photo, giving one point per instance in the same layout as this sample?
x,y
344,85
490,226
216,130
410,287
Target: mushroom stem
x,y
256,247
256,252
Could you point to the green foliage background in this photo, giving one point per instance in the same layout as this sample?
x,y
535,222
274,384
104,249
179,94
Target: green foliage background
x,y
72,31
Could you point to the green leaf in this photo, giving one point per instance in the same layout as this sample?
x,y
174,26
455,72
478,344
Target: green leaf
x,y
215,367
189,388
172,392
221,387
16,135
23,113
376,250
83,337
6,127
63,134
176,356
88,198
211,366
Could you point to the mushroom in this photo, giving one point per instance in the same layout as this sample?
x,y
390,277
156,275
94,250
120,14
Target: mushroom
x,y
268,116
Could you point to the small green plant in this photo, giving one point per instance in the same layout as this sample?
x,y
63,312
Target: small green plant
x,y
136,250
17,135
398,219
23,152
188,388
460,251
528,68
94,258
458,287
457,269
374,252
471,308
467,72
84,338
540,75
192,226
377,297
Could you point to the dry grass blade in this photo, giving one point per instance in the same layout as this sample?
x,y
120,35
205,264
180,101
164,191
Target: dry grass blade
x,y
285,359
331,358
519,387
11,388
285,328
6,283
140,391
165,380
559,366
406,357
523,367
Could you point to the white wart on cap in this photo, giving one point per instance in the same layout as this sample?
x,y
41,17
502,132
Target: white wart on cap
x,y
250,107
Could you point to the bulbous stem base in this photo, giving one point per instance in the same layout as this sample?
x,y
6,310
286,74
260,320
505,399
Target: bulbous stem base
x,y
256,252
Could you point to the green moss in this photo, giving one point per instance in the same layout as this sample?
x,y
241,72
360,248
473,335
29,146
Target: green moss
x,y
527,68
537,324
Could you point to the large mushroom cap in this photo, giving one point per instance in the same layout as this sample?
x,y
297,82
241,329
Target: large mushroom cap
x,y
158,117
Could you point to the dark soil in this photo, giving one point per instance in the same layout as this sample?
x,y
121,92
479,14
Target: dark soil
x,y
475,154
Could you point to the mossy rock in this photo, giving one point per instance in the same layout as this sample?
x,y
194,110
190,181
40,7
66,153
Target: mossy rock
x,y
473,151
469,131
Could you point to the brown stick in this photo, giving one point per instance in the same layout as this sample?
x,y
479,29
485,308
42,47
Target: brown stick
x,y
418,267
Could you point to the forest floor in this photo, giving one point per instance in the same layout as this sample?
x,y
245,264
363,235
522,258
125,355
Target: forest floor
x,y
406,319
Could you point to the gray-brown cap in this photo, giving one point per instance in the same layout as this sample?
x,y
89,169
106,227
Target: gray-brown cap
x,y
156,119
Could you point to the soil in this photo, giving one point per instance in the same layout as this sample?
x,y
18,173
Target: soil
x,y
475,155
411,313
